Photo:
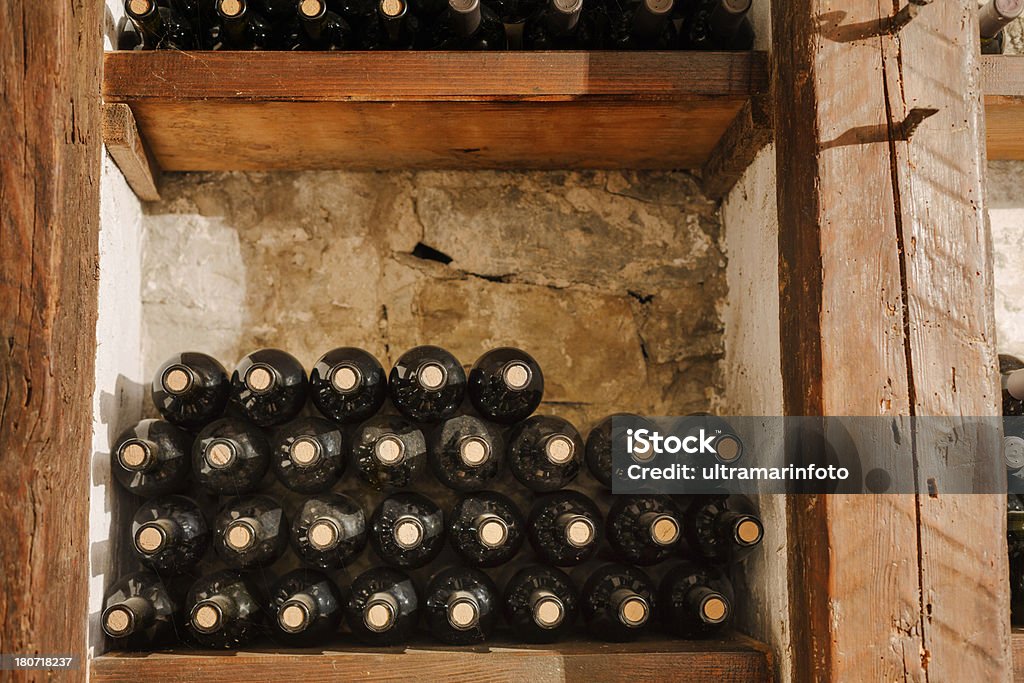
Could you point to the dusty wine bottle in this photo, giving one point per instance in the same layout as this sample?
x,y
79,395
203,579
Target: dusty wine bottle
x,y
644,25
160,27
465,25
466,453
601,439
726,443
718,25
394,28
461,606
230,457
308,455
407,530
1013,393
306,608
564,528
427,383
618,603
224,611
564,25
695,601
541,604
383,606
191,390
153,458
721,529
485,529
242,28
993,17
140,613
506,385
269,386
329,531
169,534
644,530
250,532
545,453
348,385
318,28
389,452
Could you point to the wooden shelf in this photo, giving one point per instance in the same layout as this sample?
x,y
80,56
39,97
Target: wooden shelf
x,y
1002,80
716,661
204,111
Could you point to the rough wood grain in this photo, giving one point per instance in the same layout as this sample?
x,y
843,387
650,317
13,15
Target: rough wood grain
x,y
130,152
747,135
1002,78
736,660
49,214
279,111
868,330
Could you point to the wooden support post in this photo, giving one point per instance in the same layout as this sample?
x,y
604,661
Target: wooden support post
x,y
49,223
130,152
886,309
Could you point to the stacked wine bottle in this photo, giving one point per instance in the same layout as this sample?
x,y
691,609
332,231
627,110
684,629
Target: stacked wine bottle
x,y
429,466
438,25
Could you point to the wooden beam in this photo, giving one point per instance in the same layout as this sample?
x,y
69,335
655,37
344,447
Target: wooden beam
x,y
886,309
49,223
748,134
130,152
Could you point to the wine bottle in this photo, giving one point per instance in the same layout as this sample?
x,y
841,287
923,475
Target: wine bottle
x,y
308,455
485,529
721,529
506,385
1013,393
250,532
601,440
269,386
224,611
317,28
695,601
465,25
427,11
644,530
545,453
394,28
618,601
644,25
191,390
169,534
242,28
564,528
993,17
230,457
306,608
329,531
427,383
466,453
407,530
276,10
564,25
718,25
389,452
160,27
348,385
541,604
725,442
516,11
1014,525
139,613
383,607
152,458
461,606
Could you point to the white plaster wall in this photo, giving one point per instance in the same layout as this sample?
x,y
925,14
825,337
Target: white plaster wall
x,y
753,383
1006,213
117,401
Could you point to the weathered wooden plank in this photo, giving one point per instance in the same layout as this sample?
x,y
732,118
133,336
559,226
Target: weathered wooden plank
x,y
747,135
854,197
49,214
130,152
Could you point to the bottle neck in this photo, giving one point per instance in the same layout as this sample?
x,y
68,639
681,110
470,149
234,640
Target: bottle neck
x,y
631,608
298,613
491,531
243,534
130,616
651,17
995,15
662,529
546,608
138,455
381,612
463,610
738,528
1013,383
156,536
563,15
726,17
464,17
707,605
212,614
577,530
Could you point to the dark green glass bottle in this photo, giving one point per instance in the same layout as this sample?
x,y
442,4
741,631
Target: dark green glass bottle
x,y
383,607
461,606
393,28
486,529
407,530
389,452
545,453
721,529
565,25
224,611
564,528
160,27
315,27
169,534
308,454
695,601
618,603
269,387
242,28
250,532
306,608
230,457
140,613
465,25
329,531
191,390
541,604
427,384
348,385
152,458
466,453
644,25
644,530
506,385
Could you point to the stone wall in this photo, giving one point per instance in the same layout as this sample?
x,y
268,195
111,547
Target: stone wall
x,y
1006,213
614,281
